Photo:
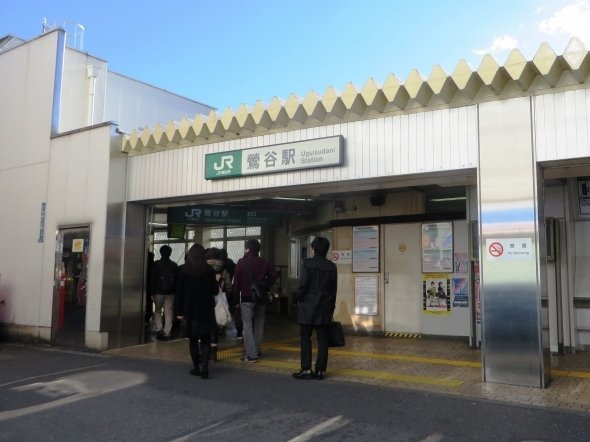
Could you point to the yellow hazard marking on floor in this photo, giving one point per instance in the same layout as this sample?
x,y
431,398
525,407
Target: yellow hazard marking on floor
x,y
403,335
391,357
571,374
236,353
369,374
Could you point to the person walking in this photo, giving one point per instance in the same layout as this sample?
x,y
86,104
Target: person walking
x,y
215,260
195,304
162,289
230,266
318,283
251,268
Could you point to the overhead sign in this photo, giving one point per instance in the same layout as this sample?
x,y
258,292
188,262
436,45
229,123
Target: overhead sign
x,y
309,154
509,249
220,215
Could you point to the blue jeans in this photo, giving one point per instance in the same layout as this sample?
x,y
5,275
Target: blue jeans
x,y
253,322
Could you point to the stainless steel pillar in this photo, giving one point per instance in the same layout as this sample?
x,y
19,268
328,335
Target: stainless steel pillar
x,y
512,246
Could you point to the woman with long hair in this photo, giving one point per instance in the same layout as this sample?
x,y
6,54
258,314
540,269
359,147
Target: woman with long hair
x,y
195,303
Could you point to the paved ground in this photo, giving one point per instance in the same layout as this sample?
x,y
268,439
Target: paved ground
x,y
444,366
52,394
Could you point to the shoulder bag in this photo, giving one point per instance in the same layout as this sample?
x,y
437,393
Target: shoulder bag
x,y
336,335
260,290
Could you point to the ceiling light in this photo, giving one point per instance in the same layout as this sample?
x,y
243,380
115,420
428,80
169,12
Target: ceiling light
x,y
454,198
284,198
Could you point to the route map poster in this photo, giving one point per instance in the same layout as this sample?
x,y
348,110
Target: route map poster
x,y
365,249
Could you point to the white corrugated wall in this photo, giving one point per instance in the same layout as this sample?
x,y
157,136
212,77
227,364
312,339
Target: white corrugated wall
x,y
562,125
440,140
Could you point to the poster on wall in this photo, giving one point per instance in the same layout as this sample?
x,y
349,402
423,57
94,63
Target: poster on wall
x,y
476,295
461,263
78,245
365,249
436,293
365,295
460,292
437,247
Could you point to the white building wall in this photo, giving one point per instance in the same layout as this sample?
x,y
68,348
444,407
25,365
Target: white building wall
x,y
433,141
77,110
133,104
126,101
562,125
77,189
26,97
26,94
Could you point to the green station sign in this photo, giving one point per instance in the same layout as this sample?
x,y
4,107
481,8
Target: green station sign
x,y
220,215
309,154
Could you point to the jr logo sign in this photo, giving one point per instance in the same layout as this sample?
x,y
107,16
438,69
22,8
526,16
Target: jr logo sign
x,y
223,165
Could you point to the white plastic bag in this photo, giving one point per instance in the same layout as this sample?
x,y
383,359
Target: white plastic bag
x,y
222,314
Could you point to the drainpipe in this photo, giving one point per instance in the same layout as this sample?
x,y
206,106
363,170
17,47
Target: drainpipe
x,y
91,73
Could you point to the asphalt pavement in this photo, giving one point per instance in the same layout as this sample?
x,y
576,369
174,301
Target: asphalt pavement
x,y
52,394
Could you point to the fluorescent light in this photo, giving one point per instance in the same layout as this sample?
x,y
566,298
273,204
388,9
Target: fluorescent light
x,y
454,198
284,198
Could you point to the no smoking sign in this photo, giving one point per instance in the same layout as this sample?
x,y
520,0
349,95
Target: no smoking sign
x,y
509,249
496,249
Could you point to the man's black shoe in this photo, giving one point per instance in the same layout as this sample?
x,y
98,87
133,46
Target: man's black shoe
x,y
303,374
319,375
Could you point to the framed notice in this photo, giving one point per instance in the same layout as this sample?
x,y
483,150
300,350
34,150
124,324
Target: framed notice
x,y
78,245
437,247
365,249
365,295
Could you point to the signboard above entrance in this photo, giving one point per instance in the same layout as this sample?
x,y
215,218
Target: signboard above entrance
x,y
309,154
222,215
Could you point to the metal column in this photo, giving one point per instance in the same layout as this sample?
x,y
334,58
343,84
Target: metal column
x,y
512,246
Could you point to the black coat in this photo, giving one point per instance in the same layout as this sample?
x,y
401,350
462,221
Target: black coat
x,y
159,268
318,282
195,301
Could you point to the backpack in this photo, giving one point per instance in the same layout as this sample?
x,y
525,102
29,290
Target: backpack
x,y
165,283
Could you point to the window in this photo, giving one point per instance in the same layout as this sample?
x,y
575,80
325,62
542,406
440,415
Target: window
x,y
232,238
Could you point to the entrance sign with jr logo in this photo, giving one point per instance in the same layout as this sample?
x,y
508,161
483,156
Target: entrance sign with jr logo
x,y
309,154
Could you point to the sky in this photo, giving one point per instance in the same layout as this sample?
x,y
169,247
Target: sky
x,y
226,53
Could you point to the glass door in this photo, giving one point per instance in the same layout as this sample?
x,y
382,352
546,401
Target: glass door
x,y
70,286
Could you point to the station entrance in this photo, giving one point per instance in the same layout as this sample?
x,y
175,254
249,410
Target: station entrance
x,y
397,296
376,240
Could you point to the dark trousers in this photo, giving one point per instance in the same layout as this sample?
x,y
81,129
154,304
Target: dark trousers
x,y
149,307
200,351
321,362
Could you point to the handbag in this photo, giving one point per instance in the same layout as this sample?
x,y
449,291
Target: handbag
x,y
260,291
336,335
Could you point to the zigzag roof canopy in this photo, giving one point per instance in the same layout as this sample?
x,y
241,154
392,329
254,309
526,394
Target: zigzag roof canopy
x,y
464,86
